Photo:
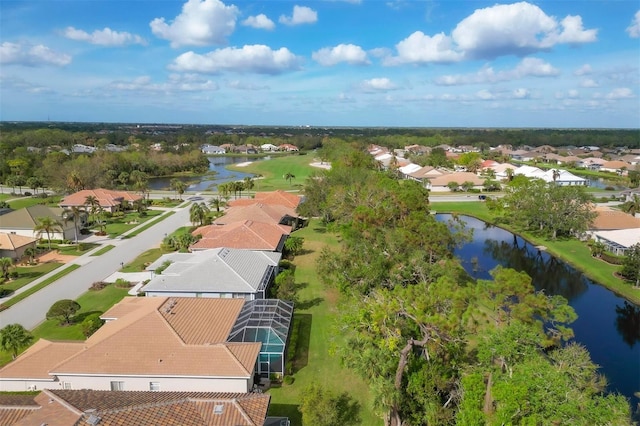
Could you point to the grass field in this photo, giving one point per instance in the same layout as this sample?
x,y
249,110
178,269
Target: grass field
x,y
20,202
28,274
140,262
117,226
274,170
103,250
314,361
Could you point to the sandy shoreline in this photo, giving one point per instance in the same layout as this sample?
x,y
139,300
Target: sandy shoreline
x,y
246,163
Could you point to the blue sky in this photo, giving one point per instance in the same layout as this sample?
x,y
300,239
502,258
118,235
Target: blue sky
x,y
323,63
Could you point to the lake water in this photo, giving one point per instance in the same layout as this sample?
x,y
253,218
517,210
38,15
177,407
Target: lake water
x,y
208,182
607,325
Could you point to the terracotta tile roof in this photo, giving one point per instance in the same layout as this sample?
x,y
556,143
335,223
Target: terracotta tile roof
x,y
248,234
115,348
116,408
36,361
14,241
459,177
616,164
614,219
106,197
275,197
257,212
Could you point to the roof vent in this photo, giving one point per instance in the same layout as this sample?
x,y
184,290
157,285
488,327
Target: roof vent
x,y
93,420
218,409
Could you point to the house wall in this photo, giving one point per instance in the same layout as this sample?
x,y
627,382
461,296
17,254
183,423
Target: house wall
x,y
21,385
17,253
213,295
166,383
67,235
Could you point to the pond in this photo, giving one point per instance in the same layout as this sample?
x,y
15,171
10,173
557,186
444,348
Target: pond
x,y
607,325
209,181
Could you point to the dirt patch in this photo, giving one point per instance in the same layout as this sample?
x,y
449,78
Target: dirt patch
x,y
55,256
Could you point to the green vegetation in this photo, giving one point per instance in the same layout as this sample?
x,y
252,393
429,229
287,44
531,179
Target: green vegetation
x,y
119,225
38,287
145,259
91,302
274,172
149,224
28,274
103,250
76,250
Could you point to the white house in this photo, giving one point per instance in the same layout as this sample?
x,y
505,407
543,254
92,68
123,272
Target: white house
x,y
212,150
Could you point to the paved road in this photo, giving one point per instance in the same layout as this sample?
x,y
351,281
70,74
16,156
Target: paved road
x,y
32,311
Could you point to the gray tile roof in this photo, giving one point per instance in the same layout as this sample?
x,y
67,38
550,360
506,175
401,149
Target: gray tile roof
x,y
221,270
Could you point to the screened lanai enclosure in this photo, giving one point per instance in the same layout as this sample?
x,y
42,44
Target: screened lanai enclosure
x,y
267,321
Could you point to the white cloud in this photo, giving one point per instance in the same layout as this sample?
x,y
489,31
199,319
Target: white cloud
x,y
260,22
250,58
349,53
301,15
20,84
382,84
105,37
22,54
485,95
516,29
528,67
521,93
620,93
583,70
241,85
421,48
175,83
587,82
634,29
201,23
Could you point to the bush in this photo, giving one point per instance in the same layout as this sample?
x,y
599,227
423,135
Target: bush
x,y
91,324
98,285
288,380
27,194
5,292
612,258
122,283
13,275
609,188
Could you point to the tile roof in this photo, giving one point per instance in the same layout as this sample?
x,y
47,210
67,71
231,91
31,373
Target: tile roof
x,y
220,270
609,219
106,197
274,197
35,362
115,408
458,177
27,217
14,241
258,212
247,234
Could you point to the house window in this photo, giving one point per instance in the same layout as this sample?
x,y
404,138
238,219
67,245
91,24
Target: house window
x,y
154,386
117,386
66,385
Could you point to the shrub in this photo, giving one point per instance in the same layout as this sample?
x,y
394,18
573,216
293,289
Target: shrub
x,y
98,285
288,380
122,283
5,292
91,324
609,188
13,275
27,194
63,310
612,258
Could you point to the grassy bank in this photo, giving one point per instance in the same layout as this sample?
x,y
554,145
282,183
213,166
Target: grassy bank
x,y
315,362
574,252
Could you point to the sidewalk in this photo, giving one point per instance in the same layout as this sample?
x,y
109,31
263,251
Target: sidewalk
x,y
87,257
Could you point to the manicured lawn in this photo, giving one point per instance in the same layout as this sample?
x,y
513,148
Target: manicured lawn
x,y
27,274
274,170
141,262
120,225
315,362
20,202
90,302
149,224
103,250
38,287
76,250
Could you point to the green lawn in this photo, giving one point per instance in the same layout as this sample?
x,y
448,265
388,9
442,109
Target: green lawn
x,y
140,263
20,202
120,225
27,274
103,250
314,361
274,170
574,252
149,224
76,250
90,302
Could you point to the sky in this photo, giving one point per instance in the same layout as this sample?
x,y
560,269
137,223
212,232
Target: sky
x,y
395,63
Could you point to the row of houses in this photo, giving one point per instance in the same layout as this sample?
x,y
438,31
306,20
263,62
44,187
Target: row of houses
x,y
246,149
205,331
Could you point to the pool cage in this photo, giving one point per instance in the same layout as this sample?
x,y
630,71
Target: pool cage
x,y
266,321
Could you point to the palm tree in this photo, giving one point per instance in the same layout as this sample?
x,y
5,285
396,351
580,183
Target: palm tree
x,y
556,174
248,183
73,214
178,186
47,225
5,264
93,204
288,176
632,206
31,253
217,203
198,213
14,337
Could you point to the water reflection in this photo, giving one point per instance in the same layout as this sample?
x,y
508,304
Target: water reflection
x,y
218,173
607,325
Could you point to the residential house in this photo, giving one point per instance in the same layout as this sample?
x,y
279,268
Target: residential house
x,y
557,176
278,197
62,407
163,344
221,272
245,149
441,183
212,150
109,200
14,245
617,230
248,235
288,147
266,213
24,221
424,174
417,149
616,166
268,147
